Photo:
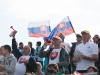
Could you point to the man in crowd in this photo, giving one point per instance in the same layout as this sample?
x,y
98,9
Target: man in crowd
x,y
25,62
71,53
85,53
56,55
63,44
7,61
38,48
20,48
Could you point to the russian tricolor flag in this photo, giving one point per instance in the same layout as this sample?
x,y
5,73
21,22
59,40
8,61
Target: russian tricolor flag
x,y
64,27
39,29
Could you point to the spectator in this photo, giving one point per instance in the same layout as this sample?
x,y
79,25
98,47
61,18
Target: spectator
x,y
56,55
92,69
39,68
20,48
51,72
53,66
71,54
85,53
25,62
8,61
38,48
96,40
32,49
63,44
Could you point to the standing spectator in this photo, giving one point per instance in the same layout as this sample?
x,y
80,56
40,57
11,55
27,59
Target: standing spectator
x,y
32,49
20,48
85,53
71,54
63,44
56,55
96,40
7,61
38,48
25,62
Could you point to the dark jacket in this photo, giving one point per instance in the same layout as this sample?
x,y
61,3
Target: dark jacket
x,y
31,66
63,58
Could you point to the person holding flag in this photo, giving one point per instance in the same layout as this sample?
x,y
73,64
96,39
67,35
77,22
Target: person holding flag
x,y
56,55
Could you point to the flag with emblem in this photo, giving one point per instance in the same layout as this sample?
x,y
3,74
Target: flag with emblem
x,y
65,27
39,29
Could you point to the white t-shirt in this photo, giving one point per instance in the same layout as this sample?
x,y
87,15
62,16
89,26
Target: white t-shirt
x,y
20,67
54,56
66,46
88,50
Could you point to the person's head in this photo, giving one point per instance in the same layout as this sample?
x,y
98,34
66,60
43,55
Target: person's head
x,y
56,41
61,35
92,69
30,44
53,66
51,72
85,35
38,43
26,50
96,38
6,49
21,45
78,37
39,66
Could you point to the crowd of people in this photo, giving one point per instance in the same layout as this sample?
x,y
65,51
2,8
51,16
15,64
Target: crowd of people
x,y
60,58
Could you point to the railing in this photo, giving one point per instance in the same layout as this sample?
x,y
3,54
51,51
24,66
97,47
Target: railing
x,y
95,73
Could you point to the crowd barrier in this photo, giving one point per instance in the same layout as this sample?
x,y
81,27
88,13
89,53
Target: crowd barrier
x,y
95,73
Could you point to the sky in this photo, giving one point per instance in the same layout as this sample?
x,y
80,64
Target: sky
x,y
84,15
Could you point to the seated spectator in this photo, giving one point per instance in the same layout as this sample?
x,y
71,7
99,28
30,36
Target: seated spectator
x,y
92,69
51,72
53,66
39,68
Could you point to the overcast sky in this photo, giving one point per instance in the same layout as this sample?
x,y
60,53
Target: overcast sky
x,y
84,15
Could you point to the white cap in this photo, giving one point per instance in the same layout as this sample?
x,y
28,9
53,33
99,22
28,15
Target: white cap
x,y
57,37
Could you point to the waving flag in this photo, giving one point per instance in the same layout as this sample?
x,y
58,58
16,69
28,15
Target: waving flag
x,y
64,27
39,29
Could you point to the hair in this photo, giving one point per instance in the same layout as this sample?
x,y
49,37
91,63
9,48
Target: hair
x,y
39,64
53,65
7,47
39,43
20,43
30,43
94,68
30,74
62,35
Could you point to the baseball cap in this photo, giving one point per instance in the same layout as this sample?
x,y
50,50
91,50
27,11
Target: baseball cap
x,y
85,31
57,37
